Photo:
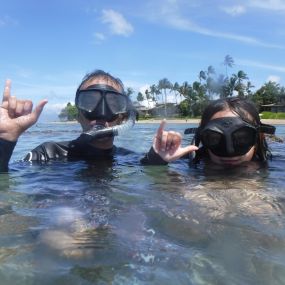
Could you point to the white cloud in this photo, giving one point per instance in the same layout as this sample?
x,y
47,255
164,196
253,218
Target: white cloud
x,y
118,25
246,62
171,14
276,5
56,107
185,24
234,10
273,78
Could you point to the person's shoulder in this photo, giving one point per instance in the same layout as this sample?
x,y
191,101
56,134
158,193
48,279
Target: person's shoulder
x,y
48,150
48,144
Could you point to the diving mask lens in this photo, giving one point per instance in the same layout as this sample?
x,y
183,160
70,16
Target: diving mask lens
x,y
88,100
243,139
214,141
117,103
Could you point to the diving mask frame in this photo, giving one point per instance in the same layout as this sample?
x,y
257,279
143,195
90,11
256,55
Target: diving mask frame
x,y
229,136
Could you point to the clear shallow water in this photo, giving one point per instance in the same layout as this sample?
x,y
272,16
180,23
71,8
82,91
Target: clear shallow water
x,y
123,223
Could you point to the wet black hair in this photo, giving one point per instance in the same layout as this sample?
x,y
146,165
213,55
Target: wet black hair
x,y
98,73
247,111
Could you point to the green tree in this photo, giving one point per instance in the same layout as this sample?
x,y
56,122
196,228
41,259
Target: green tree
x,y
147,96
199,98
175,89
164,84
140,97
129,91
269,93
228,62
240,86
185,106
209,78
69,112
154,91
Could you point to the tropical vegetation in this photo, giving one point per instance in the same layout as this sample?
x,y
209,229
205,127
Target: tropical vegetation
x,y
191,98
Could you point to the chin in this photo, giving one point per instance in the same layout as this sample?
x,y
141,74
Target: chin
x,y
230,162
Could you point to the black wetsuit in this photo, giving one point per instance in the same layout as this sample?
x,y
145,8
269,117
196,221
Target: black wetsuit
x,y
152,158
6,150
72,150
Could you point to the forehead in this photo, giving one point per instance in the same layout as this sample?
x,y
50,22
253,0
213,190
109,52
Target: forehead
x,y
224,113
229,113
102,80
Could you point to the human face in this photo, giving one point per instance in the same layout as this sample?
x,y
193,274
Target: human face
x,y
233,160
86,124
101,102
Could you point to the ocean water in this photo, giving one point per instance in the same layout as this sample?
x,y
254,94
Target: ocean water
x,y
124,223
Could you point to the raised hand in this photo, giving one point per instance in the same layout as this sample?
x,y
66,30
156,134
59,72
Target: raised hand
x,y
167,144
16,115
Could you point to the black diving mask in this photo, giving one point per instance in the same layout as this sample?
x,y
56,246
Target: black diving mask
x,y
231,136
101,102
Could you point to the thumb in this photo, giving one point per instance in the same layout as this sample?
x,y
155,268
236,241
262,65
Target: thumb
x,y
38,110
188,149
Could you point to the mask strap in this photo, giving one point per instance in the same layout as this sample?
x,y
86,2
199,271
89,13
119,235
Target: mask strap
x,y
189,131
267,129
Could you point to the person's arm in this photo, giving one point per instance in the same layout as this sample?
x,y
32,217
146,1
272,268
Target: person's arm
x,y
6,150
16,116
47,151
152,158
166,147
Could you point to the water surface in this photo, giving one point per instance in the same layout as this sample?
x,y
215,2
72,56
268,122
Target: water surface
x,y
119,222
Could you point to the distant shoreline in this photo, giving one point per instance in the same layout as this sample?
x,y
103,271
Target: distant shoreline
x,y
197,121
182,121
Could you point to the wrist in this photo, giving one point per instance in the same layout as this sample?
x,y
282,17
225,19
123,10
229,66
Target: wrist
x,y
9,137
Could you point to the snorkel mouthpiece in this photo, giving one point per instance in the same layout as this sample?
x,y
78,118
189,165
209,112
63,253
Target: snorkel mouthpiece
x,y
99,131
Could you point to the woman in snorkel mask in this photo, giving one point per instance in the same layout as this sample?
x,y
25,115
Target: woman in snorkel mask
x,y
230,133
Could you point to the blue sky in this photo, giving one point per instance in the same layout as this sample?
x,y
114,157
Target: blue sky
x,y
48,46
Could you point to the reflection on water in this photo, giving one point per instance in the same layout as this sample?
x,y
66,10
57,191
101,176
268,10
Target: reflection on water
x,y
118,222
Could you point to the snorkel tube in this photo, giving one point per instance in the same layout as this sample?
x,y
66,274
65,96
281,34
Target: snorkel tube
x,y
99,131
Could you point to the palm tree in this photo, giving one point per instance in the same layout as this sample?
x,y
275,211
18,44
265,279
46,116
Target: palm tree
x,y
248,87
228,62
147,96
240,87
199,97
140,97
202,75
184,89
211,70
129,91
175,88
154,91
164,84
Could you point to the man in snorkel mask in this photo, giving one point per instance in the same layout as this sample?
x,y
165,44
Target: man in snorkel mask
x,y
104,111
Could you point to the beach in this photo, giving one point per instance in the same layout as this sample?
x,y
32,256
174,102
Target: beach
x,y
180,121
196,121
